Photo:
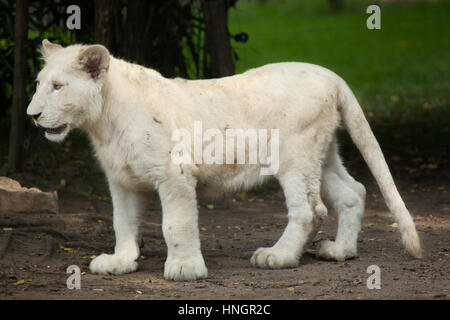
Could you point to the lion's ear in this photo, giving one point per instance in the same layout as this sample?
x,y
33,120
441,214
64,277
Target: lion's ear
x,y
94,60
48,48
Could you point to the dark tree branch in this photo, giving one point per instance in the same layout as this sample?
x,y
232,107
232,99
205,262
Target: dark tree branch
x,y
19,86
217,39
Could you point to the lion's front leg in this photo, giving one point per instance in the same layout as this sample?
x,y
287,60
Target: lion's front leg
x,y
127,207
180,228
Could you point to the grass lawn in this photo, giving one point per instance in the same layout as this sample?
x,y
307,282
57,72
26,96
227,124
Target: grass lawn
x,y
399,73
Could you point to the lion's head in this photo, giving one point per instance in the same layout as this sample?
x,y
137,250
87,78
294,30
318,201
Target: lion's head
x,y
69,88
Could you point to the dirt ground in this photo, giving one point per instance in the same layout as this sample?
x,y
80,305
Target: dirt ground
x,y
38,248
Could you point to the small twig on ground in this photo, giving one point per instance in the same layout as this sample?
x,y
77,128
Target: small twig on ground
x,y
50,245
4,244
65,236
102,217
62,235
19,223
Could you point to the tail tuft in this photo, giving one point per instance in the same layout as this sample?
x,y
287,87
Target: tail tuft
x,y
411,241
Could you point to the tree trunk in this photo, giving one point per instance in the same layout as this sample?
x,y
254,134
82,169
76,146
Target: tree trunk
x,y
19,86
106,13
136,34
217,40
86,33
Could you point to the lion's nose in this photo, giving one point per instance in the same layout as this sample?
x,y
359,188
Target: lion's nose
x,y
35,116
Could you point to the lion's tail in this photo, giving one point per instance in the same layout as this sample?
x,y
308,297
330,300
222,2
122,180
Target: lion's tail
x,y
364,139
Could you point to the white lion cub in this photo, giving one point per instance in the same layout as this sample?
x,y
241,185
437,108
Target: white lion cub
x,y
130,113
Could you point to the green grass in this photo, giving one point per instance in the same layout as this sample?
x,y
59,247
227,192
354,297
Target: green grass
x,y
399,73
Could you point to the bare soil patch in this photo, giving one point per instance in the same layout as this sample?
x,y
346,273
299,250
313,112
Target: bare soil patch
x,y
36,249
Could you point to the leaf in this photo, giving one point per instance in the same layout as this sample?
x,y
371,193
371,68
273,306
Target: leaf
x,y
20,282
153,224
368,225
69,250
394,225
290,289
210,206
242,195
429,166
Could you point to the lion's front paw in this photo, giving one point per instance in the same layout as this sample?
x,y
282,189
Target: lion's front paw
x,y
185,269
113,264
329,250
274,258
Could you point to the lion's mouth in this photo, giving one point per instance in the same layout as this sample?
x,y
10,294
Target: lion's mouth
x,y
56,130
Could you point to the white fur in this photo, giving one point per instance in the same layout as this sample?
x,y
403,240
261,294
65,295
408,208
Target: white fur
x,y
130,113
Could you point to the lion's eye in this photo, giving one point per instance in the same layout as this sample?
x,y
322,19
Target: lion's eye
x,y
57,86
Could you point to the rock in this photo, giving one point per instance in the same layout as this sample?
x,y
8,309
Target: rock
x,y
15,198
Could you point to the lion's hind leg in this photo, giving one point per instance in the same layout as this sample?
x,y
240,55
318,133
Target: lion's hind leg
x,y
288,249
300,179
346,196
